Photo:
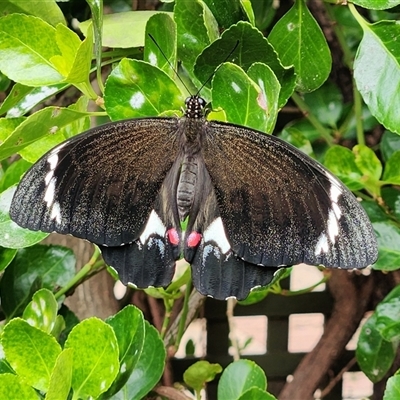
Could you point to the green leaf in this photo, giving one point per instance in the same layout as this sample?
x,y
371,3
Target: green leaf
x,y
391,197
95,357
163,29
22,99
41,312
341,161
242,99
196,29
256,393
41,146
375,355
128,326
390,143
13,174
49,11
388,236
11,234
238,377
392,172
299,41
6,256
61,377
392,391
199,373
296,138
149,368
26,53
127,93
367,162
326,104
13,387
23,346
388,319
226,12
44,122
377,71
32,268
377,4
124,29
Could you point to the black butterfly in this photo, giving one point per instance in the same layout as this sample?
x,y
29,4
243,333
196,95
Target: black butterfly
x,y
253,203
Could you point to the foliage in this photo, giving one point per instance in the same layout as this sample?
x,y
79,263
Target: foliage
x,y
46,352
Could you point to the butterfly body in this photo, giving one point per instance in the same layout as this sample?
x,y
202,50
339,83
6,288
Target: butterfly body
x,y
251,203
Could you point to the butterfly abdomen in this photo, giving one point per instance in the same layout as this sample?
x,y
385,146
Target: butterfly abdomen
x,y
186,186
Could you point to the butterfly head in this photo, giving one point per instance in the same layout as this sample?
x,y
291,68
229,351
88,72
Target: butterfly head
x,y
195,107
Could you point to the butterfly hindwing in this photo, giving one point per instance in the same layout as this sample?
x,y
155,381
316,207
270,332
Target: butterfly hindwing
x,y
100,185
216,270
280,207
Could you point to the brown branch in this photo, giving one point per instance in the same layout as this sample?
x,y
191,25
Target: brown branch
x,y
351,293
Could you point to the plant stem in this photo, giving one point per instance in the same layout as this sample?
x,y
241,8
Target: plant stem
x,y
325,133
183,316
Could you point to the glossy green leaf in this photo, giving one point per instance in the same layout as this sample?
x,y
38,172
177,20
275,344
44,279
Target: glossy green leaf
x,y
32,268
149,368
7,126
226,12
392,170
377,71
61,377
247,39
41,312
163,29
6,256
375,355
23,346
196,29
128,326
49,11
392,390
256,393
25,53
95,357
5,367
22,99
242,99
270,87
11,234
44,122
377,4
390,143
124,29
388,319
341,161
299,41
238,377
199,373
388,236
127,93
13,387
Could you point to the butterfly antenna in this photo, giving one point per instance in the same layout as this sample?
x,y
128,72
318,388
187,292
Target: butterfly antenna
x,y
219,66
169,62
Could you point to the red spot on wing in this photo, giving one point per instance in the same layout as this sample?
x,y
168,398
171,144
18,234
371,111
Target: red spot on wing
x,y
173,236
194,239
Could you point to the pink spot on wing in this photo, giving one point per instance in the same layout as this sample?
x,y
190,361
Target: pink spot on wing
x,y
173,236
194,239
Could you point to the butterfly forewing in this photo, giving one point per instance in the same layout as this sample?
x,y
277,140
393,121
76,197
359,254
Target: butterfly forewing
x,y
280,207
100,185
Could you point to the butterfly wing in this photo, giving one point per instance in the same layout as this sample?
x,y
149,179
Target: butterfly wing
x,y
216,270
100,185
280,207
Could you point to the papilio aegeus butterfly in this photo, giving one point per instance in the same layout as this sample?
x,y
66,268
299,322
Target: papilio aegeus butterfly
x,y
253,203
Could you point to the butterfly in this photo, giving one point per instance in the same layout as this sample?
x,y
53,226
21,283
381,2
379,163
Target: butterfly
x,y
250,202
